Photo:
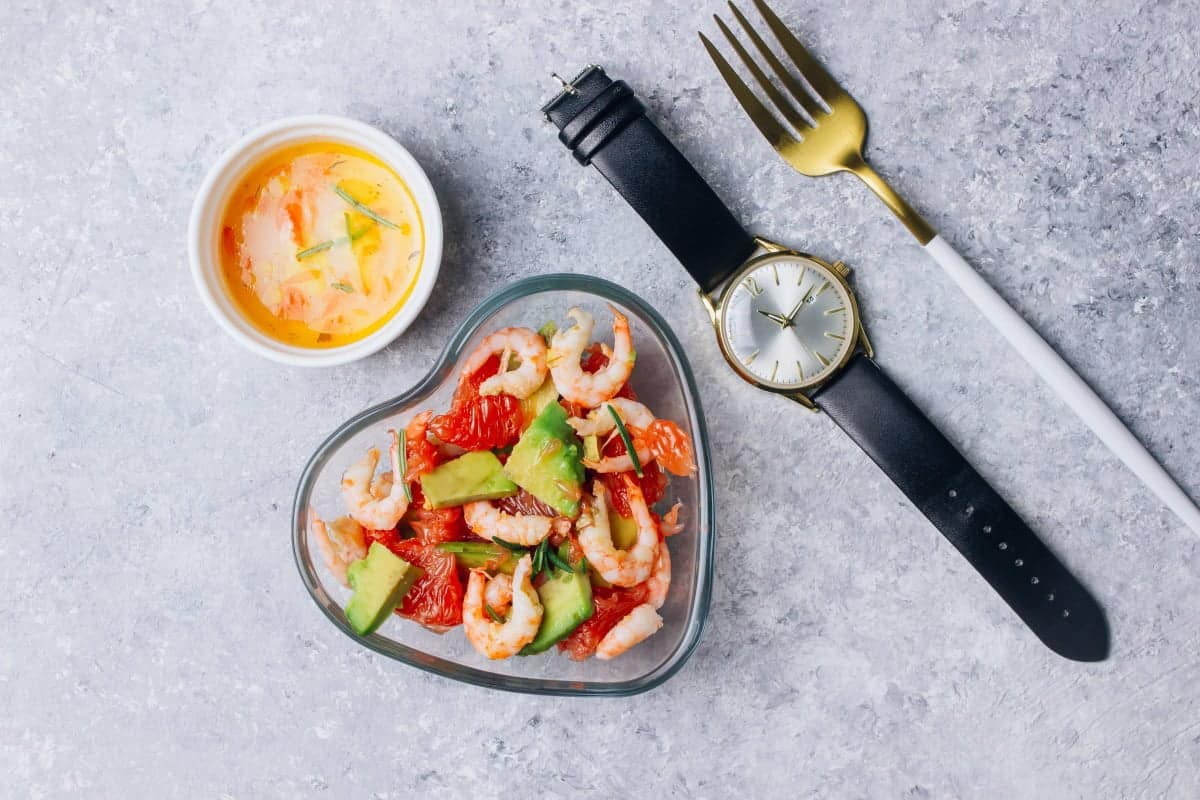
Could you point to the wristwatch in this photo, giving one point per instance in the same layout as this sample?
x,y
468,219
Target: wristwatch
x,y
788,323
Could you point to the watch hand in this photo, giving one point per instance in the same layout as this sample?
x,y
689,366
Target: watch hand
x,y
778,319
799,305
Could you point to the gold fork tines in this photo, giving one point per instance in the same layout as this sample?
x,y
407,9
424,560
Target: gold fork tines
x,y
831,137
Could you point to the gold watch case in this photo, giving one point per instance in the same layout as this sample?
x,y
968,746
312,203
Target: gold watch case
x,y
770,251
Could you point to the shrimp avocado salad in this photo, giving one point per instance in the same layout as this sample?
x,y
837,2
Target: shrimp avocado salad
x,y
524,513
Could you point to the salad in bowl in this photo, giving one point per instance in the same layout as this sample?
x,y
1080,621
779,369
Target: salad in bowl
x,y
526,503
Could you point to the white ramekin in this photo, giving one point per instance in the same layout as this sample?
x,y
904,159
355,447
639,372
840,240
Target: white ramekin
x,y
204,232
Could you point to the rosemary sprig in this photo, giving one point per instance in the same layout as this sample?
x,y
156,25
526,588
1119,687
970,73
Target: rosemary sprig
x,y
316,248
621,429
509,546
403,437
491,612
559,563
539,556
363,209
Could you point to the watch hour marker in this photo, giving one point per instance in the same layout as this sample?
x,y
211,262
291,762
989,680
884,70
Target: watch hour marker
x,y
799,371
824,286
775,269
774,370
752,287
829,335
748,360
833,311
825,362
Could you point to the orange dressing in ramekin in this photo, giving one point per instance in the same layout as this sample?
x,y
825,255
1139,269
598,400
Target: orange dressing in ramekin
x,y
321,244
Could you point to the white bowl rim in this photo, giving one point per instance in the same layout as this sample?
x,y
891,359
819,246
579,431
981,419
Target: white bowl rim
x,y
209,204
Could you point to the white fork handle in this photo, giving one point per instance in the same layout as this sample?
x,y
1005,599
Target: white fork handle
x,y
1065,382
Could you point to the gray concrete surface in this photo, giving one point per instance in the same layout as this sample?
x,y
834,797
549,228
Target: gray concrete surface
x,y
154,637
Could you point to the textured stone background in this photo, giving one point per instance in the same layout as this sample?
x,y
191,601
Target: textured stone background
x,y
154,638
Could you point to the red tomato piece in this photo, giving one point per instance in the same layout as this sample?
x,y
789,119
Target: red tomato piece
x,y
611,607
437,596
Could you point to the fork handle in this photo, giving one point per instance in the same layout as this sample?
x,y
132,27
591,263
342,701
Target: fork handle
x,y
1056,372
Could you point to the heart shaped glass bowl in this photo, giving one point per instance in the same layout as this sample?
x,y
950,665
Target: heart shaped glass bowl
x,y
662,379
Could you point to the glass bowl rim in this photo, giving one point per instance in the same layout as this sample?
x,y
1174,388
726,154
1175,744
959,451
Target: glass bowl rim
x,y
706,523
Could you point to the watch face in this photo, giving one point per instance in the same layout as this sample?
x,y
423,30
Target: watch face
x,y
787,322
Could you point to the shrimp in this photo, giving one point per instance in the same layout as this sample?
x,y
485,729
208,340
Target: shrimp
x,y
341,542
521,382
623,463
670,524
601,421
590,389
634,415
502,639
636,626
618,567
376,503
659,582
527,530
499,593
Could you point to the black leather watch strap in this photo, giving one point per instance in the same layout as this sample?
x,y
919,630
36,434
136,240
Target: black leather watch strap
x,y
603,123
938,480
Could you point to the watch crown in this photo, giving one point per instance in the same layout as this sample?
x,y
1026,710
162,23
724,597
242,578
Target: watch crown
x,y
841,269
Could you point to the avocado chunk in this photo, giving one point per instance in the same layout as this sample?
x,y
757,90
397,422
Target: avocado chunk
x,y
624,534
591,447
481,555
566,603
624,530
544,395
547,462
380,582
470,477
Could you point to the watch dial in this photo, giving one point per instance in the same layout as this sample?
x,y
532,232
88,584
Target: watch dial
x,y
788,322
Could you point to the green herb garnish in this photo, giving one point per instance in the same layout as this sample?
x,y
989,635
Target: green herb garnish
x,y
583,565
558,562
512,548
621,429
548,329
403,437
363,209
539,556
491,612
316,248
342,287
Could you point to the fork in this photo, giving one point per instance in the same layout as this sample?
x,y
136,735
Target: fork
x,y
832,131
